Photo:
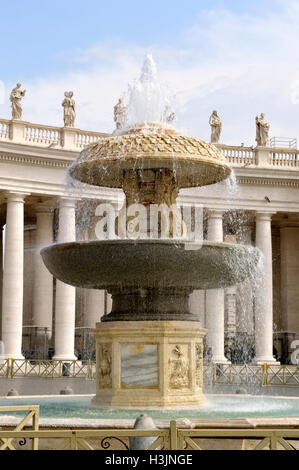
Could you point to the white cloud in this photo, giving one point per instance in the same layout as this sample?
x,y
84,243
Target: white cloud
x,y
240,65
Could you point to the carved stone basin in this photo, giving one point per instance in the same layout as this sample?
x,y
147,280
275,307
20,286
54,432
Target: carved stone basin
x,y
150,279
193,161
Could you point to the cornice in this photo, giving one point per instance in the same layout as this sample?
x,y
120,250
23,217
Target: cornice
x,y
35,160
264,181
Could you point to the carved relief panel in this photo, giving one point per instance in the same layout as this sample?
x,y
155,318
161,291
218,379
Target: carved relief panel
x,y
179,369
105,366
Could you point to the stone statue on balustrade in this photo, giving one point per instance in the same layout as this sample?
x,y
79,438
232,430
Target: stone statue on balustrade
x,y
262,130
120,111
69,109
216,127
16,98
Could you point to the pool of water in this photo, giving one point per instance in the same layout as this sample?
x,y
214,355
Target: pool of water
x,y
221,406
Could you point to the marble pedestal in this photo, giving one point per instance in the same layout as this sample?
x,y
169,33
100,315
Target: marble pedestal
x,y
149,364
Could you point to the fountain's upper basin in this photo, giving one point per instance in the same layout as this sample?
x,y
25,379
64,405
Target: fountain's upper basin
x,y
193,161
108,264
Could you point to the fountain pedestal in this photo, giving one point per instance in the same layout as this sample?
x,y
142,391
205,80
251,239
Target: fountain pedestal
x,y
149,364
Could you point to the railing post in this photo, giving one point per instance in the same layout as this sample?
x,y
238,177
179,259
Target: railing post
x,y
173,435
265,375
273,442
74,445
7,367
284,375
35,425
11,368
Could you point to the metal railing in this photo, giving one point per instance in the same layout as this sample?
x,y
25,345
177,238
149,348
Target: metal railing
x,y
288,142
231,374
272,439
172,438
32,414
12,368
214,374
280,376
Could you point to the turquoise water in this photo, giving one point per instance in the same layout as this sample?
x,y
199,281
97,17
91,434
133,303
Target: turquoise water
x,y
215,407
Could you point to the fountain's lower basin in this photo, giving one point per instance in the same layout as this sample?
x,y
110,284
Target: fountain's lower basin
x,y
215,406
150,264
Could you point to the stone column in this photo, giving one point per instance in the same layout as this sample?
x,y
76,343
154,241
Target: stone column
x,y
65,302
43,280
215,298
264,293
12,300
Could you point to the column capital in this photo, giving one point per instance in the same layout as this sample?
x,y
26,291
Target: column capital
x,y
215,213
67,201
15,196
43,208
264,215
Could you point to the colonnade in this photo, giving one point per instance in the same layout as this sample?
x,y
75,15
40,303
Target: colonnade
x,y
263,319
65,296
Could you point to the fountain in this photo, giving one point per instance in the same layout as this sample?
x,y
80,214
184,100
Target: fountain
x,y
150,347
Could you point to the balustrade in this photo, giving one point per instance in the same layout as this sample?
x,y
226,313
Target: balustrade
x,y
50,136
47,136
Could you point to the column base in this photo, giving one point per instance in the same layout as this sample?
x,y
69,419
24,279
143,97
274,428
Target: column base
x,y
65,358
269,361
221,360
149,364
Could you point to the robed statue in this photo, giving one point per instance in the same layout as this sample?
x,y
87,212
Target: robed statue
x,y
262,130
69,114
216,127
16,97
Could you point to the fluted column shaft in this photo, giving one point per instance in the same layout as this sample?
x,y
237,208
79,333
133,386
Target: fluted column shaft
x,y
43,280
12,300
264,293
65,301
215,297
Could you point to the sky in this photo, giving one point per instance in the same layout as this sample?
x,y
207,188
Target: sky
x,y
238,57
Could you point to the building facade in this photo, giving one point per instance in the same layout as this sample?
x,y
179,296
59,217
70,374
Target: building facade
x,y
44,318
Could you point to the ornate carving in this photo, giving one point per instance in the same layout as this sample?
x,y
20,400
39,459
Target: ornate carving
x,y
130,186
69,109
104,366
166,189
179,370
199,363
153,144
16,97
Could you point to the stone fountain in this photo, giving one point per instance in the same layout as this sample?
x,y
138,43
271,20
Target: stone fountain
x,y
150,347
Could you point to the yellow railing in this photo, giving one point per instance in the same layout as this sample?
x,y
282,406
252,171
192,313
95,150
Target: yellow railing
x,y
273,439
172,438
280,376
12,368
32,414
221,374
